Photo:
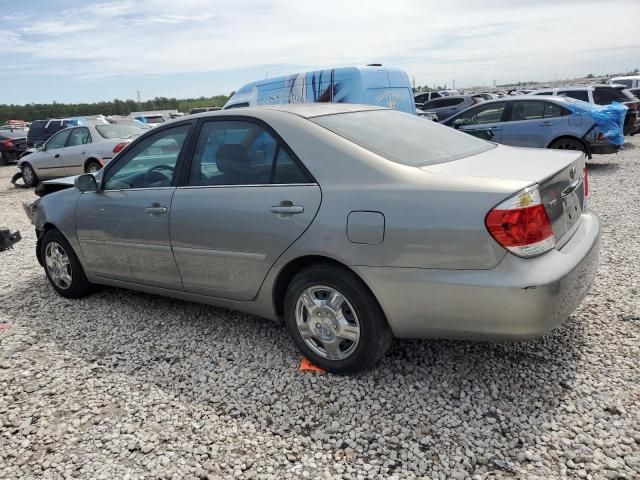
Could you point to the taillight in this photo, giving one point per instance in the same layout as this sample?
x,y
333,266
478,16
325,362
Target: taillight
x,y
119,147
585,181
8,144
521,225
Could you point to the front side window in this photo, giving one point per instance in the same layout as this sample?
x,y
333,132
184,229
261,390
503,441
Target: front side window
x,y
151,163
59,140
79,136
491,113
239,153
527,110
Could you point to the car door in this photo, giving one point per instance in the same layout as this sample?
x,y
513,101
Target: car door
x,y
75,153
483,121
123,228
49,161
247,199
526,125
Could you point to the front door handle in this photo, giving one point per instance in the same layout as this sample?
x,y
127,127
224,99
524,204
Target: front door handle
x,y
156,209
286,209
546,124
57,155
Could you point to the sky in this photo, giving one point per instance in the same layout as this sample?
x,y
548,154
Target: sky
x,y
87,51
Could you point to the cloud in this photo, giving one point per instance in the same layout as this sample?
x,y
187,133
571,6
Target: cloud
x,y
472,42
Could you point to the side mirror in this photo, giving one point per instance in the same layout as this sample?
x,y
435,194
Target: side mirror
x,y
86,183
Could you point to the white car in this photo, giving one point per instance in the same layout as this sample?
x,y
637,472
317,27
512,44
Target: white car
x,y
76,150
632,81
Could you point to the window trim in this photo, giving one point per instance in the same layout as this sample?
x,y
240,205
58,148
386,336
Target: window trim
x,y
186,170
179,162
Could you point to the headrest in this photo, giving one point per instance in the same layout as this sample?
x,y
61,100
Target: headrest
x,y
232,159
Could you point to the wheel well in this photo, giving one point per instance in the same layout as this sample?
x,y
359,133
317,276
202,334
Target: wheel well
x,y
89,160
40,233
292,268
571,137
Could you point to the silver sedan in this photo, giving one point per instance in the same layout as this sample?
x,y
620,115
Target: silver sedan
x,y
76,150
352,224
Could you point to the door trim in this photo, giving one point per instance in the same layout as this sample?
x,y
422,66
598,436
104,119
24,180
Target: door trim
x,y
221,253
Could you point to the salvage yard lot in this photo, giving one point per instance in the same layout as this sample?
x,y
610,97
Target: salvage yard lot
x,y
128,384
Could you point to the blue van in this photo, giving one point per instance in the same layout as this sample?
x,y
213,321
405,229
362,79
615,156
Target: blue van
x,y
371,84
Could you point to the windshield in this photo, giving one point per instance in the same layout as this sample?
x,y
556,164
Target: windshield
x,y
403,138
119,131
154,119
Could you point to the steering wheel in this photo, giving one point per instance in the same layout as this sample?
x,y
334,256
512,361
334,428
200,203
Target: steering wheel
x,y
157,170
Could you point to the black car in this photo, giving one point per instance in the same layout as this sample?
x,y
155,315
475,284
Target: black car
x,y
13,143
41,130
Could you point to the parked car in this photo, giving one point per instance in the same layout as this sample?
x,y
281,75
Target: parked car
x,y
631,81
526,121
42,130
76,150
635,92
428,115
484,96
13,143
372,85
601,95
196,110
448,235
424,97
447,106
152,120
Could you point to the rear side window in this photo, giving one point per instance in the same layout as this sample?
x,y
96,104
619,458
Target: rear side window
x,y
529,110
605,96
553,110
241,153
79,136
577,94
403,138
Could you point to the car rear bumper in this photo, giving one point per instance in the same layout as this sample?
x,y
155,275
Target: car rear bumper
x,y
519,299
604,149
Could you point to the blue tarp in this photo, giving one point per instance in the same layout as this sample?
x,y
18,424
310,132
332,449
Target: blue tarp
x,y
609,118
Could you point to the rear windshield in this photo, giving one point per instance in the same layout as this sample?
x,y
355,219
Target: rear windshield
x,y
403,138
154,119
119,131
607,95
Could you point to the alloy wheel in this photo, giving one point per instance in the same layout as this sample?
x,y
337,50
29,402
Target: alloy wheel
x,y
58,265
327,322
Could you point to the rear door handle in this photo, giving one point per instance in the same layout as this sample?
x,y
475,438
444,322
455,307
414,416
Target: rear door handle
x,y
546,124
57,155
286,209
293,209
156,209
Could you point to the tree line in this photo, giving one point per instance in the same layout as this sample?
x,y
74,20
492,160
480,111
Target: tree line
x,y
38,111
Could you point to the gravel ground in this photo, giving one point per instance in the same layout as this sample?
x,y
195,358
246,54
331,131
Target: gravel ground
x,y
128,385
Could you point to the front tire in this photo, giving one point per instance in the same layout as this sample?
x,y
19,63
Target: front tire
x,y
334,320
29,176
62,266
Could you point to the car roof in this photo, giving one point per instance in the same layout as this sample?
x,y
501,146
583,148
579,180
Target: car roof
x,y
304,110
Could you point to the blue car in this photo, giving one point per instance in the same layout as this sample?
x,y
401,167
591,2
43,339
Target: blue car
x,y
543,122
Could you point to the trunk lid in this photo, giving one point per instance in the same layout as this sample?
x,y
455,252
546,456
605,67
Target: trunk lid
x,y
559,175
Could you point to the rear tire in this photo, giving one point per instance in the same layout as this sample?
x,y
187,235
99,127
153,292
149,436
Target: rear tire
x,y
62,266
568,144
92,166
29,176
334,320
